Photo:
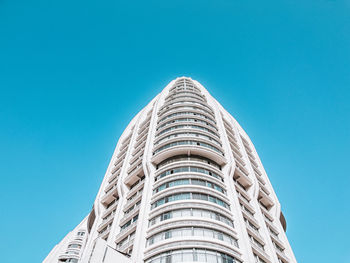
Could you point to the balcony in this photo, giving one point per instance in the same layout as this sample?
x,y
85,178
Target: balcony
x,y
250,217
67,256
261,181
236,150
138,147
113,176
276,239
238,158
110,209
105,232
130,202
189,149
271,225
134,168
111,184
127,138
246,203
250,155
263,187
242,178
126,231
242,168
105,222
122,153
136,188
282,255
254,163
118,166
255,233
136,175
110,195
256,170
265,199
246,145
130,214
266,213
126,245
242,190
260,251
136,156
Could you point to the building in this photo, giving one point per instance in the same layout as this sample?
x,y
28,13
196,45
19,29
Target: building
x,y
185,184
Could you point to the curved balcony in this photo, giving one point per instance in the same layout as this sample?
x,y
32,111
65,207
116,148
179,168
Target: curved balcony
x,y
180,101
172,135
192,242
187,108
184,105
189,176
68,256
189,182
76,242
195,232
184,168
185,95
192,255
187,128
186,114
189,161
191,188
190,204
198,212
188,122
191,221
189,149
174,93
178,197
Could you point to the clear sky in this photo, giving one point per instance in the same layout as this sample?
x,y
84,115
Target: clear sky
x,y
74,73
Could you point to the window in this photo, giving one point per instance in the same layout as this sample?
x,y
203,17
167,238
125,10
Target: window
x,y
190,255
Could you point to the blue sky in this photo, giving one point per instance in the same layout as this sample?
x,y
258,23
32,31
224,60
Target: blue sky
x,y
74,73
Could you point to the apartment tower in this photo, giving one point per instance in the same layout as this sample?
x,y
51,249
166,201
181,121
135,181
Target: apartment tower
x,y
185,184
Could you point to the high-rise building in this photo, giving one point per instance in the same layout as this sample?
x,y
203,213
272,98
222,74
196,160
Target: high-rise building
x,y
185,184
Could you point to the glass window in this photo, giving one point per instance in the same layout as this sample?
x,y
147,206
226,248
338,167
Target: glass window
x,y
186,232
177,213
211,258
177,257
208,233
198,232
220,236
201,256
168,234
197,213
166,216
187,255
198,182
186,212
176,232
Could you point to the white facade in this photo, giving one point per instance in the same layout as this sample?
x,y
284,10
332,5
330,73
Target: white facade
x,y
185,184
